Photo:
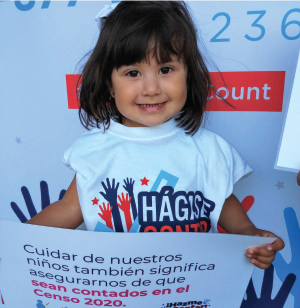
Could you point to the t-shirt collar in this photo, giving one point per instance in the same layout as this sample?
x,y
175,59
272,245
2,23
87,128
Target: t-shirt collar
x,y
149,132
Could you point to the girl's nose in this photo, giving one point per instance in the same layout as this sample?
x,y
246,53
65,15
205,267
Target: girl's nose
x,y
151,86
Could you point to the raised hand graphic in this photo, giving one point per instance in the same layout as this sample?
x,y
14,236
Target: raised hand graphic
x,y
265,301
111,193
45,201
124,205
129,188
106,214
283,268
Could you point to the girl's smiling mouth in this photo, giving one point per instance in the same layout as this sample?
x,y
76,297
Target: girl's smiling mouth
x,y
151,107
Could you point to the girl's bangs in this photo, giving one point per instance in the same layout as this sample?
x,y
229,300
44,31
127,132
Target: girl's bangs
x,y
154,39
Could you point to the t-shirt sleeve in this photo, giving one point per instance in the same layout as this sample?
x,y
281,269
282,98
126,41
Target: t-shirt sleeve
x,y
73,155
238,168
222,166
66,159
70,157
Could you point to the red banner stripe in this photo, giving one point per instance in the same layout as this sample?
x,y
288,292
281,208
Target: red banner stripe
x,y
72,90
244,91
247,91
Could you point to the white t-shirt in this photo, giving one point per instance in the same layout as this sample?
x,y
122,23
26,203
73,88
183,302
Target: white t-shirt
x,y
153,179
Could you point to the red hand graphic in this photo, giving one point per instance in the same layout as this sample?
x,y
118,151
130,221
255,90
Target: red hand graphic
x,y
247,202
106,214
124,205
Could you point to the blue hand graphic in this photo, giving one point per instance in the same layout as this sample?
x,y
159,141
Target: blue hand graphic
x,y
265,300
282,268
111,194
40,304
45,201
129,188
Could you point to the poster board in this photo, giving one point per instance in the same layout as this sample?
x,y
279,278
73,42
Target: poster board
x,y
51,267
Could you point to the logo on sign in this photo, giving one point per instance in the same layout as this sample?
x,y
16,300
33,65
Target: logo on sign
x,y
190,304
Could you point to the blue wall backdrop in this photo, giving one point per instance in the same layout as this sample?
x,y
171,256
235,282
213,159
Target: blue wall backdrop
x,y
42,42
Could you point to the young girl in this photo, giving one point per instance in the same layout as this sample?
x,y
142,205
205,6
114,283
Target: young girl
x,y
146,165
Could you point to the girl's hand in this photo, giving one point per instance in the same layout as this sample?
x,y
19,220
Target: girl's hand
x,y
262,257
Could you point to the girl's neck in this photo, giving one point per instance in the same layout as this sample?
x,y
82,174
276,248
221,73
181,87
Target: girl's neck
x,y
143,132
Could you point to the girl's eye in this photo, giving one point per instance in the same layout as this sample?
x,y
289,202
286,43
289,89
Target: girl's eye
x,y
133,73
165,70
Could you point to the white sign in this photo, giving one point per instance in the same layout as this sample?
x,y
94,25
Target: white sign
x,y
48,267
289,152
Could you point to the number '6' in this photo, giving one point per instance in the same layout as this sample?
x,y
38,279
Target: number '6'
x,y
284,25
24,7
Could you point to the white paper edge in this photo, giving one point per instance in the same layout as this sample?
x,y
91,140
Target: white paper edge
x,y
283,126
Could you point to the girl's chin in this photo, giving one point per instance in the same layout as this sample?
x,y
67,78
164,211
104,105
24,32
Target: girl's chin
x,y
153,122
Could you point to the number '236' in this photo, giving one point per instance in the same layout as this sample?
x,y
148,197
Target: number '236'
x,y
256,24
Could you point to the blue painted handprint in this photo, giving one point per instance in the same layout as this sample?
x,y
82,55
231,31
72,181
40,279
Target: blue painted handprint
x,y
111,194
40,304
45,200
265,301
129,188
282,268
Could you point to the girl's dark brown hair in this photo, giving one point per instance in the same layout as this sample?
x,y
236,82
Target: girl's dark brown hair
x,y
133,31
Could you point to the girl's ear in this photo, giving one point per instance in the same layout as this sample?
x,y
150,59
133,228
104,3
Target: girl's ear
x,y
111,90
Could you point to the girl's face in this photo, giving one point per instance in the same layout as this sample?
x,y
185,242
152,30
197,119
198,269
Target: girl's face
x,y
149,94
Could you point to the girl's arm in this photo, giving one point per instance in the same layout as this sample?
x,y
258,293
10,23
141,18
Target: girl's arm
x,y
234,219
65,213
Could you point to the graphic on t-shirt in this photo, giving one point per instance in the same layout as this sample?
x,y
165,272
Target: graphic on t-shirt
x,y
160,209
144,181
